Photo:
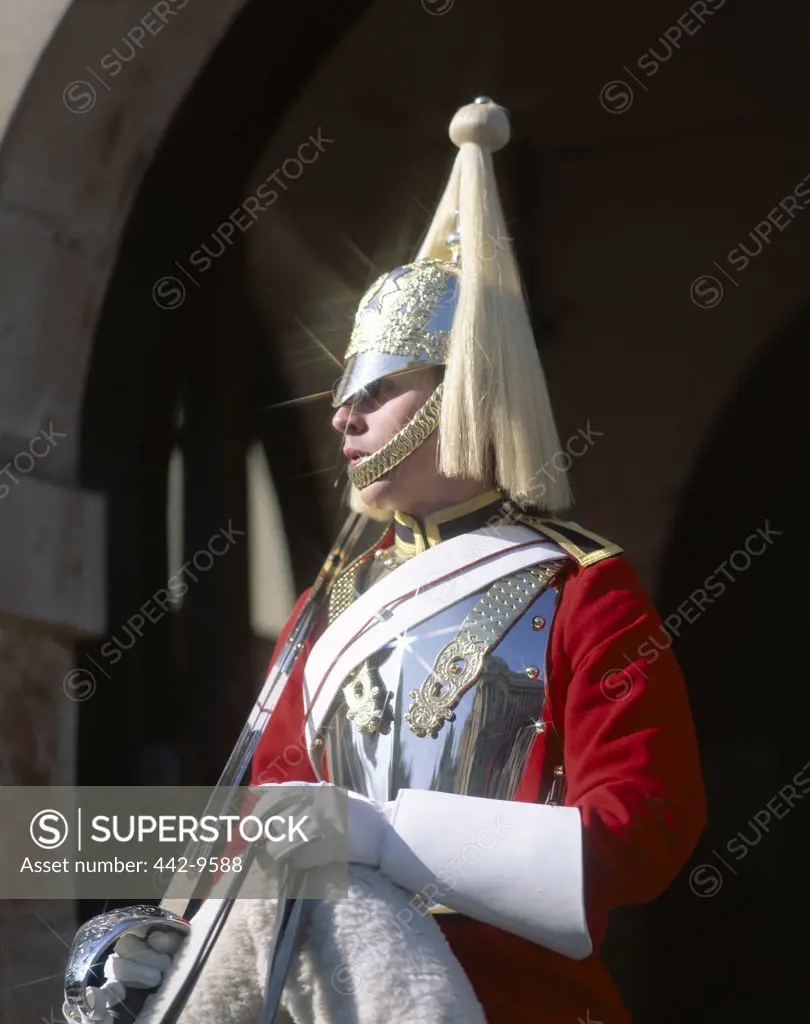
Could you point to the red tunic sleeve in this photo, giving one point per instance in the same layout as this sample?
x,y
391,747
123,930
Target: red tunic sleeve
x,y
630,750
281,754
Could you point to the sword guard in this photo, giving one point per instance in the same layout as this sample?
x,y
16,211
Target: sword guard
x,y
94,942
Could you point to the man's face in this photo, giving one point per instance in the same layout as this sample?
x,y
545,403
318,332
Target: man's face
x,y
367,425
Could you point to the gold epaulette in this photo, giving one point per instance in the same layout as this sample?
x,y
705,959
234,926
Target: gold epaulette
x,y
584,547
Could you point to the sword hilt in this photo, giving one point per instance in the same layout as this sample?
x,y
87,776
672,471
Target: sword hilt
x,y
94,942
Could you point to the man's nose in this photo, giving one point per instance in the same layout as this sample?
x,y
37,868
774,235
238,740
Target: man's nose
x,y
346,419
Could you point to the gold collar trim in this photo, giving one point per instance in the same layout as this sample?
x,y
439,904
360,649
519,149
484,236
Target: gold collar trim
x,y
412,536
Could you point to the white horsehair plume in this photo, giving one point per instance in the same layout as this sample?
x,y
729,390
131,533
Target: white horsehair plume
x,y
496,415
497,423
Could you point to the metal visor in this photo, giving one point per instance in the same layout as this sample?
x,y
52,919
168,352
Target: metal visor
x,y
365,370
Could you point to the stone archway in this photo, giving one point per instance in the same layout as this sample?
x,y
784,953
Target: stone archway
x,y
73,152
77,133
73,155
91,94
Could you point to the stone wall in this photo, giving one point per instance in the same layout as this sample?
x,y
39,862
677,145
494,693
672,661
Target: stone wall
x,y
75,138
37,738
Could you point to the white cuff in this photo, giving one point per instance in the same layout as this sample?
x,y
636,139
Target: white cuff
x,y
517,866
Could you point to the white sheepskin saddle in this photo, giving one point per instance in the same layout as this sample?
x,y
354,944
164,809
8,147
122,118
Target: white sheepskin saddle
x,y
357,963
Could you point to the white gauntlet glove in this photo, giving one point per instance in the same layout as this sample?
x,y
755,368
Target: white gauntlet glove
x,y
369,824
136,962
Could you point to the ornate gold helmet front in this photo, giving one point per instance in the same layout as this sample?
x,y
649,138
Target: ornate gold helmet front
x,y
403,323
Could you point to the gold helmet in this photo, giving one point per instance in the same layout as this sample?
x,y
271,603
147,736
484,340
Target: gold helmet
x,y
403,323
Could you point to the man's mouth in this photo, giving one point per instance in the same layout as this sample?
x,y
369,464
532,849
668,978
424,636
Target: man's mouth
x,y
354,455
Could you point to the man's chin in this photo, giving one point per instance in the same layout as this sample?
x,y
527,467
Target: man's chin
x,y
380,494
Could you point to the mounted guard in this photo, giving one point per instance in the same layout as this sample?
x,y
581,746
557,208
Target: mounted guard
x,y
473,677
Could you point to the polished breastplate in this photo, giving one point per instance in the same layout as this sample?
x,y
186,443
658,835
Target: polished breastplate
x,y
477,738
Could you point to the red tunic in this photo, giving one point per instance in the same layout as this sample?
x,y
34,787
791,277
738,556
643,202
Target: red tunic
x,y
618,701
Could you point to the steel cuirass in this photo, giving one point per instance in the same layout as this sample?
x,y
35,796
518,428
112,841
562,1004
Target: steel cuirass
x,y
456,704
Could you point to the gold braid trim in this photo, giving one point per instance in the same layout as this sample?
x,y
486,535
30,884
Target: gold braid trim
x,y
343,593
401,444
585,558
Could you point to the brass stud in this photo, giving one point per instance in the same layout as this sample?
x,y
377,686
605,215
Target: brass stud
x,y
532,671
317,742
539,728
538,622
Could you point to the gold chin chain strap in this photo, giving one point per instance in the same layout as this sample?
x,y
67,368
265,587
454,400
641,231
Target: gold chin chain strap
x,y
459,664
405,441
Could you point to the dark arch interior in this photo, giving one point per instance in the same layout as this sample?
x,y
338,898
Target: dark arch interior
x,y
725,939
147,361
